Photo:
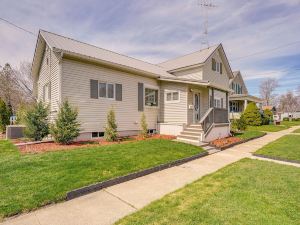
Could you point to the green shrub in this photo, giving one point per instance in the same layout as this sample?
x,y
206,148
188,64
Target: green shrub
x,y
21,114
251,115
286,119
66,127
36,122
144,126
4,116
267,116
238,125
110,133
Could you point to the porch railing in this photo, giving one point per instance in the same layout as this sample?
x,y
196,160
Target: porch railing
x,y
212,116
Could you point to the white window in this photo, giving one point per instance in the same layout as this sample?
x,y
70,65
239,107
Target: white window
x,y
46,92
151,97
106,90
172,96
217,103
110,91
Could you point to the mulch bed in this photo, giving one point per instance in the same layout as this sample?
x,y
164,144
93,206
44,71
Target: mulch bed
x,y
223,142
52,146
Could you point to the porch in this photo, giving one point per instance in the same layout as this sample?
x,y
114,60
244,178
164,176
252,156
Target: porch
x,y
207,115
238,103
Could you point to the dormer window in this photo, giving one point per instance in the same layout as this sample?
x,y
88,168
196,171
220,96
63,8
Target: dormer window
x,y
216,66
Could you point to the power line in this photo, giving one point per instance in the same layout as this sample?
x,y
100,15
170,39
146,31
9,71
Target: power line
x,y
265,51
21,28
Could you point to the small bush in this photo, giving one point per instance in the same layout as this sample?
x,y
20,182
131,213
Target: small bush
x,y
111,133
286,119
4,116
251,115
21,114
66,127
267,117
144,126
238,125
36,122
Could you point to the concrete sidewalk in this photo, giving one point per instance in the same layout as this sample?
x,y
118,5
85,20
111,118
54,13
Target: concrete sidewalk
x,y
110,204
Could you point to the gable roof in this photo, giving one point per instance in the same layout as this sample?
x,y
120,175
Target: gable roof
x,y
237,74
194,58
69,47
74,47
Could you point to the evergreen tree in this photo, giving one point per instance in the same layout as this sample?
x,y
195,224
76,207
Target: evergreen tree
x,y
110,133
268,114
251,115
36,122
144,126
66,127
4,116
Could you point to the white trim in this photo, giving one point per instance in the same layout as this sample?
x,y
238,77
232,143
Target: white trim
x,y
172,91
149,86
106,91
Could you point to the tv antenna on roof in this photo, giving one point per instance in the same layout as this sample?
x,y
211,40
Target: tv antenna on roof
x,y
205,6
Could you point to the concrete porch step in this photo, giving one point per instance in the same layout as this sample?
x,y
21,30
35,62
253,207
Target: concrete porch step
x,y
193,129
191,142
189,137
191,133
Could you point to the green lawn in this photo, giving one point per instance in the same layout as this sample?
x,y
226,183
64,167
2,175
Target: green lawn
x,y
32,180
290,123
249,134
268,128
286,147
296,131
274,128
247,192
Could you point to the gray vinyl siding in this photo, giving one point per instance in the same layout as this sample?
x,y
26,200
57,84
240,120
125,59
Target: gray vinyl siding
x,y
195,73
76,78
173,112
50,74
204,101
215,77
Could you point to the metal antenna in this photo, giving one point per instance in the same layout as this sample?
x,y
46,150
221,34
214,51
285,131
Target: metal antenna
x,y
205,6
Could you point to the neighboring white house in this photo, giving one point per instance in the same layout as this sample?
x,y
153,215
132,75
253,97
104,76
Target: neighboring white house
x,y
240,97
185,96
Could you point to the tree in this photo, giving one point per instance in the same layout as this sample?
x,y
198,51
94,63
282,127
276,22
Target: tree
x,y
251,115
288,102
66,127
110,133
144,126
267,116
266,90
4,116
16,85
36,122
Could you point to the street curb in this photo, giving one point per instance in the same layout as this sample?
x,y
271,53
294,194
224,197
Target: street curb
x,y
277,158
237,143
98,186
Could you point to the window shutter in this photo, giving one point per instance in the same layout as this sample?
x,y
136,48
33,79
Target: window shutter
x,y
94,89
221,68
140,97
213,64
118,92
222,103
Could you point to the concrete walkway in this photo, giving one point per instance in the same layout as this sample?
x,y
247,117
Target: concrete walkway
x,y
108,205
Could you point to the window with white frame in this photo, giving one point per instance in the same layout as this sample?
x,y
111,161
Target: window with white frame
x,y
172,96
217,66
106,90
151,96
46,92
217,103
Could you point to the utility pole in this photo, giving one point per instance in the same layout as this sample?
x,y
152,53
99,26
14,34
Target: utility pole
x,y
205,6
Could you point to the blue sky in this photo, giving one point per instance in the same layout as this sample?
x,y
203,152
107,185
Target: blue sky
x,y
156,30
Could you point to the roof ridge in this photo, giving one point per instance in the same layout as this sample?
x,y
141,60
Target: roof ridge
x,y
103,49
213,46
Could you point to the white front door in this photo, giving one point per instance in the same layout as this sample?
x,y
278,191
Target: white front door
x,y
196,107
